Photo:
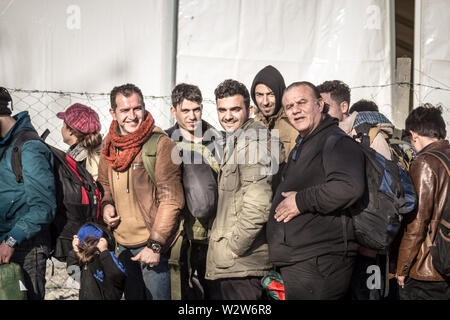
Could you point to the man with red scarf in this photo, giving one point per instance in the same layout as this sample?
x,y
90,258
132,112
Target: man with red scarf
x,y
143,216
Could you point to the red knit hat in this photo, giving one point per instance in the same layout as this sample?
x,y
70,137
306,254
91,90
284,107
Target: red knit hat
x,y
82,118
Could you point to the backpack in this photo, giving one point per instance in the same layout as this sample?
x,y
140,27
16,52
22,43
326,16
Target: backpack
x,y
389,194
77,194
401,151
440,250
199,183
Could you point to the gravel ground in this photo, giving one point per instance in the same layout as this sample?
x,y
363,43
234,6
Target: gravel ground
x,y
59,286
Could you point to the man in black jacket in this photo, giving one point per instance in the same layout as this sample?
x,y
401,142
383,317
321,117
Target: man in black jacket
x,y
310,238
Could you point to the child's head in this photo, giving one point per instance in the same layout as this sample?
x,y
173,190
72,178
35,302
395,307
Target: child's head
x,y
91,242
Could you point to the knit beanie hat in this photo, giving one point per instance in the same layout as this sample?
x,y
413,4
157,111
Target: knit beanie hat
x,y
5,98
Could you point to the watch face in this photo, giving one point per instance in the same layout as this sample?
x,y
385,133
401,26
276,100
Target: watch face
x,y
11,242
156,247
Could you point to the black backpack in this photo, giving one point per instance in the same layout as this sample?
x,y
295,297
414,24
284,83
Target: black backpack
x,y
77,194
440,249
389,194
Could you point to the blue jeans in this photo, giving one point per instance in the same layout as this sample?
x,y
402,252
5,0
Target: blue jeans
x,y
32,256
145,282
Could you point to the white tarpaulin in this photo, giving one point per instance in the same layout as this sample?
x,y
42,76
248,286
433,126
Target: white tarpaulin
x,y
306,40
432,54
85,46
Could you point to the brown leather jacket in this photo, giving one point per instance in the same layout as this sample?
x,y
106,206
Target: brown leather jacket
x,y
160,207
431,182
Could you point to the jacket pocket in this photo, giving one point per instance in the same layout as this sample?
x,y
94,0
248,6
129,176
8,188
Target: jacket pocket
x,y
229,180
221,253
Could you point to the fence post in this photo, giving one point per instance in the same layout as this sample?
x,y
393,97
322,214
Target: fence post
x,y
402,87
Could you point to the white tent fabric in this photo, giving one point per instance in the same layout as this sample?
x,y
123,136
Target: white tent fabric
x,y
308,40
432,54
86,46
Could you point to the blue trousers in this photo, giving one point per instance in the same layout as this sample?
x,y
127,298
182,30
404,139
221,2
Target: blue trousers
x,y
145,282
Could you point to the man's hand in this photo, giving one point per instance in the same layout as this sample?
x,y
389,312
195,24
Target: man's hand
x,y
6,252
110,217
147,256
287,209
234,255
401,280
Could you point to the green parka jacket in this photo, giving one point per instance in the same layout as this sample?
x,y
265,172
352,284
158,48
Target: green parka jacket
x,y
244,202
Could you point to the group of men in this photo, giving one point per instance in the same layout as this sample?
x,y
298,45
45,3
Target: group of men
x,y
280,198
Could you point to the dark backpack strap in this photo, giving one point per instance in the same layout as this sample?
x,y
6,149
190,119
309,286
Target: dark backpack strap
x,y
442,157
16,157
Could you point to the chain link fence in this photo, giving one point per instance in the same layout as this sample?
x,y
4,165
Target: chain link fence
x,y
44,105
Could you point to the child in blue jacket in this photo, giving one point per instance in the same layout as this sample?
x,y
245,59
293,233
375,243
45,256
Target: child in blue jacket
x,y
102,275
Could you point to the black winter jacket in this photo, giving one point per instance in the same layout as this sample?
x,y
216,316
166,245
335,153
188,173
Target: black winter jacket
x,y
101,279
325,185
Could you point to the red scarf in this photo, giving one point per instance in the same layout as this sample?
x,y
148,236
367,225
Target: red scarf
x,y
129,145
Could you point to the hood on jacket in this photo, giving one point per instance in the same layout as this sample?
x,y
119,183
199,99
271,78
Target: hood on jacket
x,y
272,78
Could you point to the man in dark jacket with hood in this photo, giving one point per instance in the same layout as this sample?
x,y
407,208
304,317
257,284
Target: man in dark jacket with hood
x,y
310,239
267,91
27,208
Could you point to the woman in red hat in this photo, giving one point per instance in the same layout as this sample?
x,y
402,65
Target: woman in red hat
x,y
81,131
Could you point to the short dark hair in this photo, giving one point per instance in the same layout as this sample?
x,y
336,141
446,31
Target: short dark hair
x,y
313,88
126,90
426,120
229,88
186,91
339,91
364,105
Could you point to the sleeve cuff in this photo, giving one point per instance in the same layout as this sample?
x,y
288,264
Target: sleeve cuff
x,y
17,234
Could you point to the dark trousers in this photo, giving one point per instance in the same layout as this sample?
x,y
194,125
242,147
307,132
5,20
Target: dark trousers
x,y
248,288
325,277
425,290
194,286
32,256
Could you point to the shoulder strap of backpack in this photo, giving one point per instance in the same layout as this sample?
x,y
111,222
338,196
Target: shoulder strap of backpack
x,y
442,157
149,154
16,155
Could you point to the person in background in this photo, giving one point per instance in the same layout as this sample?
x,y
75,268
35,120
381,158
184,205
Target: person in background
x,y
266,92
81,131
27,208
336,94
416,276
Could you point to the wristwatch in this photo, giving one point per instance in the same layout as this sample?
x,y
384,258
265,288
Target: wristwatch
x,y
11,242
154,245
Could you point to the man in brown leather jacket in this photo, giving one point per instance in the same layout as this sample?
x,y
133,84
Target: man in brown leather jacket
x,y
416,275
144,216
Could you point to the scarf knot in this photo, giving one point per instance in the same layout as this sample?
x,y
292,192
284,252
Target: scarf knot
x,y
120,151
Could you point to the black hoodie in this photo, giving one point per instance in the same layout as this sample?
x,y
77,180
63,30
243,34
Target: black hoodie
x,y
272,78
325,186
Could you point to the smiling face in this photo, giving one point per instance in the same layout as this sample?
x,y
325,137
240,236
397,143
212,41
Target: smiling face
x,y
188,114
232,112
303,109
265,99
129,113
